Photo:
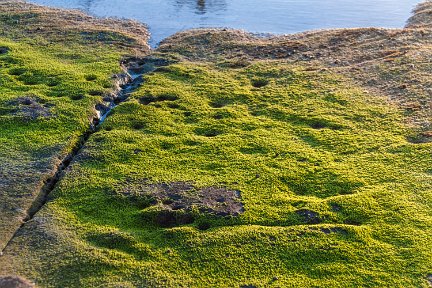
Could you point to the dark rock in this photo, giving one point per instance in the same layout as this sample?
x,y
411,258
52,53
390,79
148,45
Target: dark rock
x,y
101,108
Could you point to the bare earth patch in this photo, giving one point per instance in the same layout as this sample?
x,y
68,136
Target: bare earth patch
x,y
14,282
184,196
30,107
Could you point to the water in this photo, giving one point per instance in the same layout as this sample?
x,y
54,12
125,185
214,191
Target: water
x,y
166,17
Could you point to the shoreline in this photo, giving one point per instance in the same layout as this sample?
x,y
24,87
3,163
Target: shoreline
x,y
144,17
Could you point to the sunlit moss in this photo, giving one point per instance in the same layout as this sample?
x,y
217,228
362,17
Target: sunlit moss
x,y
334,194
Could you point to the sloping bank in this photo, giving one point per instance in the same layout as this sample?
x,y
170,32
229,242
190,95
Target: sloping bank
x,y
294,161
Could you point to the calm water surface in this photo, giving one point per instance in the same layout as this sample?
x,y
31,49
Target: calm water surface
x,y
166,17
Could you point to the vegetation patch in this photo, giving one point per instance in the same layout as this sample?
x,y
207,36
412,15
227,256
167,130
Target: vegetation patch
x,y
322,184
44,61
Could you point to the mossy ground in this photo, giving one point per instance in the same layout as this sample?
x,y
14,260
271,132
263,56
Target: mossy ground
x,y
49,85
334,194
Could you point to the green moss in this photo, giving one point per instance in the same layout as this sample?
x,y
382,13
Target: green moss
x,y
47,100
334,194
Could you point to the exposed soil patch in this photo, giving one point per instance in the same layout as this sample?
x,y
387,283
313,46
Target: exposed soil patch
x,y
30,107
14,282
185,197
145,65
309,216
